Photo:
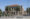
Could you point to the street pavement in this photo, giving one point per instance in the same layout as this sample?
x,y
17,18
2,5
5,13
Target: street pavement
x,y
15,17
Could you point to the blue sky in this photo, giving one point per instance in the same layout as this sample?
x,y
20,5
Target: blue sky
x,y
24,3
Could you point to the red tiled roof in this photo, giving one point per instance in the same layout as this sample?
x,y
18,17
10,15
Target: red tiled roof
x,y
14,5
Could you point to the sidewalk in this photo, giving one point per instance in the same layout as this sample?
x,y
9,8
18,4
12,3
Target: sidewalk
x,y
16,17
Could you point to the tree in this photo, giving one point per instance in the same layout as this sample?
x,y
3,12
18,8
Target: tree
x,y
0,12
17,9
28,11
7,9
3,13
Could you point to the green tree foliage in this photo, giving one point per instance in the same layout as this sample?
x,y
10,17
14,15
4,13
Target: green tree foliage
x,y
9,8
29,11
0,12
18,8
6,8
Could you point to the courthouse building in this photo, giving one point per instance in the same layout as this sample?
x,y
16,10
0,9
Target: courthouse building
x,y
14,12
